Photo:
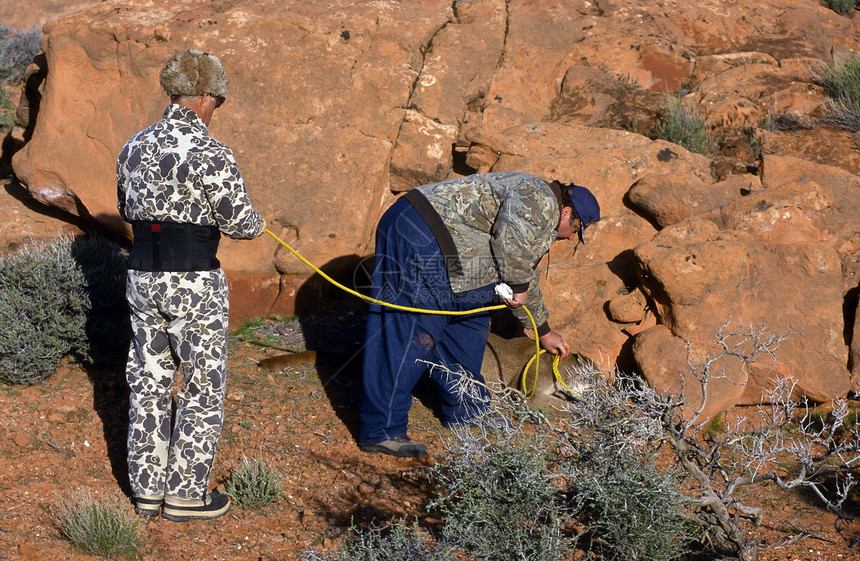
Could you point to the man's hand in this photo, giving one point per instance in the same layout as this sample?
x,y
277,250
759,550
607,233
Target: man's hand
x,y
518,301
554,344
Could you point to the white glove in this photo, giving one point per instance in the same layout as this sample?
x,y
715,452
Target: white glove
x,y
504,291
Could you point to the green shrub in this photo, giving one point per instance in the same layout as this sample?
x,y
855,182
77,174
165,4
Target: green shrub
x,y
60,298
17,50
254,484
841,7
841,82
398,542
682,125
499,503
630,509
43,307
105,528
7,110
841,78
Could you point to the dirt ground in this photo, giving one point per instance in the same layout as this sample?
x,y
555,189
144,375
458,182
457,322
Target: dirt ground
x,y
23,219
69,434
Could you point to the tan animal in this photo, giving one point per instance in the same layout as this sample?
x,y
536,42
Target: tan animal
x,y
505,359
279,362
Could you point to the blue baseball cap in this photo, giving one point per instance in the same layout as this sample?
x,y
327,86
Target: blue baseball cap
x,y
585,205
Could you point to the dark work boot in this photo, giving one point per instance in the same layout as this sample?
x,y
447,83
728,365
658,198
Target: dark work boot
x,y
400,446
211,506
147,506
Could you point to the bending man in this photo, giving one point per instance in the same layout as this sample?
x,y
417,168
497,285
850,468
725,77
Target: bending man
x,y
445,247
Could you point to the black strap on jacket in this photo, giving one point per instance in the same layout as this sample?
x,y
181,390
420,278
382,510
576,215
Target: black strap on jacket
x,y
440,231
171,246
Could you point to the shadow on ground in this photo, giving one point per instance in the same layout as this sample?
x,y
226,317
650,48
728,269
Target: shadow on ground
x,y
333,324
108,331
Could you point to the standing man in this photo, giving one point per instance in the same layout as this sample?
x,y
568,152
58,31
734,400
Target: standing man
x,y
180,189
444,247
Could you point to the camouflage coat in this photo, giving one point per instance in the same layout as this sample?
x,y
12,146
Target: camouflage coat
x,y
501,225
173,171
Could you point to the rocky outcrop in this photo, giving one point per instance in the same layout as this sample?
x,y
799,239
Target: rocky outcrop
x,y
699,277
335,108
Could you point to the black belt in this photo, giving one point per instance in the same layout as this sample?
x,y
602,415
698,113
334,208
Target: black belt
x,y
172,246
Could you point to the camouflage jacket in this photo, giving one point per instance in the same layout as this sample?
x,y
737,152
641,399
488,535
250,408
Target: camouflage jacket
x,y
173,171
501,225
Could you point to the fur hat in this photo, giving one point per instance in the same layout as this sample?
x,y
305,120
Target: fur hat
x,y
192,73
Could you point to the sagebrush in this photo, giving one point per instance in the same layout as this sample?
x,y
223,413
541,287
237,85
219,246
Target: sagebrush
x,y
397,542
17,50
498,498
254,484
61,298
103,527
7,110
679,123
631,509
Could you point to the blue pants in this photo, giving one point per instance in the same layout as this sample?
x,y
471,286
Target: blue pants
x,y
410,271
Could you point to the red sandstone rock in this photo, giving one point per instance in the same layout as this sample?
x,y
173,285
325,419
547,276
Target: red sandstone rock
x,y
669,198
666,364
788,213
591,96
839,220
628,308
34,13
334,107
701,277
739,96
605,160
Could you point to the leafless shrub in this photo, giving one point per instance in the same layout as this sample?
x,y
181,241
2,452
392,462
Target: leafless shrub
x,y
590,478
536,486
785,445
843,113
778,121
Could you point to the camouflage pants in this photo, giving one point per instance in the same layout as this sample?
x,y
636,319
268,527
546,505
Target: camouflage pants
x,y
177,319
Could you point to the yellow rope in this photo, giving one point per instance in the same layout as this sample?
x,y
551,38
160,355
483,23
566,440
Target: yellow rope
x,y
534,358
555,372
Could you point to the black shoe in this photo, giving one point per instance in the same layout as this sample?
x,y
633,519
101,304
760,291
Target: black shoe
x,y
400,446
213,505
147,506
